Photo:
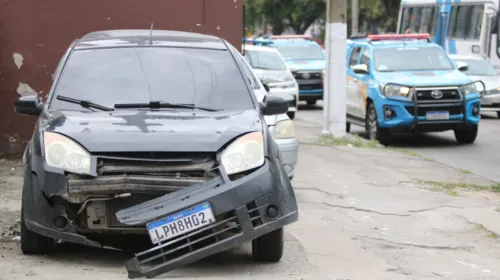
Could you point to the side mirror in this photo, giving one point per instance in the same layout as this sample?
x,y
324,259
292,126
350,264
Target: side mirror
x,y
360,69
462,66
274,105
28,105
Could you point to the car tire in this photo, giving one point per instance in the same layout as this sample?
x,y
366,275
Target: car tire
x,y
372,128
311,102
498,115
347,127
291,115
269,247
33,243
467,135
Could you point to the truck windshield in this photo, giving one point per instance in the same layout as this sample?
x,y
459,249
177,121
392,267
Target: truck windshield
x,y
268,60
301,52
479,67
201,77
411,59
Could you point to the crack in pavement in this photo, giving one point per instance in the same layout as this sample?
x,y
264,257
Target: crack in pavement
x,y
318,190
422,246
364,210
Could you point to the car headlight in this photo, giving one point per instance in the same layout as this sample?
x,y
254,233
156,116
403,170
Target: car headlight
x,y
62,152
284,129
245,153
390,90
474,87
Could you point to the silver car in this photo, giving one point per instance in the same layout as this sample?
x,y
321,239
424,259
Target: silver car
x,y
479,68
270,67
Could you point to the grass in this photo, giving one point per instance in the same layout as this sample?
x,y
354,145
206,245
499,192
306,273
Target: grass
x,y
491,234
465,171
413,154
452,187
353,140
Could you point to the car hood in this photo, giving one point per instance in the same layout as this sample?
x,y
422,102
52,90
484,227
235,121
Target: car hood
x,y
424,78
306,65
147,131
273,76
491,82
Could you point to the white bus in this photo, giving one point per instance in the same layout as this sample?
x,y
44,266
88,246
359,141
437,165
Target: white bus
x,y
465,27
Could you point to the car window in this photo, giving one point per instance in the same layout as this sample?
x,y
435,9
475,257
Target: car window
x,y
268,60
479,67
353,59
208,78
365,58
415,59
249,73
301,52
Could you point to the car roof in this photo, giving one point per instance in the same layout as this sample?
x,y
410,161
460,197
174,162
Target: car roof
x,y
148,37
467,57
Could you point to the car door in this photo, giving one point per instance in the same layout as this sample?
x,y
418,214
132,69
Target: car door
x,y
363,83
352,82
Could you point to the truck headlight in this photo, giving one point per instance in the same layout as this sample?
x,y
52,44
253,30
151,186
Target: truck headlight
x,y
64,153
396,90
474,87
245,153
284,129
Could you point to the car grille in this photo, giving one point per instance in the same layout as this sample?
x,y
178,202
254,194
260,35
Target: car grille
x,y
448,94
421,111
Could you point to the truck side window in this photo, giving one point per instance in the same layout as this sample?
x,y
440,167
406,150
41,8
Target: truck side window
x,y
365,58
353,60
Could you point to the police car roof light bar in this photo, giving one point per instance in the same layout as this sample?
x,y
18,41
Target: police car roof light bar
x,y
422,36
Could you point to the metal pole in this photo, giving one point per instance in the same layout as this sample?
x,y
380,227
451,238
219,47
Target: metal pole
x,y
334,105
355,17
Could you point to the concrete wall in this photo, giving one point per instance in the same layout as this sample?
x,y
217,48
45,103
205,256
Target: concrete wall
x,y
34,34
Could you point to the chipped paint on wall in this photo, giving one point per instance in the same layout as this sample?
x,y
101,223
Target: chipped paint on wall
x,y
18,60
25,89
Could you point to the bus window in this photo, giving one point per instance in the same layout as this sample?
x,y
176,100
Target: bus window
x,y
415,19
458,21
475,21
453,18
405,20
435,15
426,20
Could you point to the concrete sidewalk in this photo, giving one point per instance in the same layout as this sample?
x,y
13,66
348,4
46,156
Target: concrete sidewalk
x,y
381,213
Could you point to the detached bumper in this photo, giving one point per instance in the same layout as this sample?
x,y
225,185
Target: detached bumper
x,y
239,208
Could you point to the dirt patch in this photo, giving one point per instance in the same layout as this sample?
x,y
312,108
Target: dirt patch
x,y
10,199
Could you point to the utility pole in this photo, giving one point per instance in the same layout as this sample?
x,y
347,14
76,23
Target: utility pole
x,y
354,17
334,103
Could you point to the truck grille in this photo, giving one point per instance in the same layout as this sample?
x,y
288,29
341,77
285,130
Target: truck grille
x,y
421,111
446,94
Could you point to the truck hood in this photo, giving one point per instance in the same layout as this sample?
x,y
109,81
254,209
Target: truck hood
x,y
147,131
306,65
491,82
424,78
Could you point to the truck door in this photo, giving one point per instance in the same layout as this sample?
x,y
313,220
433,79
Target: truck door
x,y
352,82
364,83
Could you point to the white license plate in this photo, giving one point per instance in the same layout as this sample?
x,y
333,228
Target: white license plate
x,y
439,115
180,223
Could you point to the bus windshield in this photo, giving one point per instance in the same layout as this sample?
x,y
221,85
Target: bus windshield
x,y
411,59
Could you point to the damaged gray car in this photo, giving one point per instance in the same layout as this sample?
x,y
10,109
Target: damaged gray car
x,y
154,135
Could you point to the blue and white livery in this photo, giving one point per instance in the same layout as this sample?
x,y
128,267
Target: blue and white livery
x,y
464,27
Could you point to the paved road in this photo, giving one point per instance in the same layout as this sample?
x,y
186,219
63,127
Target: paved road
x,y
481,158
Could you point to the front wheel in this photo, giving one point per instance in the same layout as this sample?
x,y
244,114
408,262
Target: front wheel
x,y
269,247
466,135
33,243
372,128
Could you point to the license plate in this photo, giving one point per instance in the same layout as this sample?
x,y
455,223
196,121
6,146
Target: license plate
x,y
180,223
439,115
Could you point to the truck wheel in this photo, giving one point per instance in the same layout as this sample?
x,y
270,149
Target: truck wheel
x,y
269,247
33,243
311,102
374,131
467,135
291,115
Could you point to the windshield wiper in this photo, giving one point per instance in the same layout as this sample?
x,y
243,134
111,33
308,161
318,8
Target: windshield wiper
x,y
84,103
161,104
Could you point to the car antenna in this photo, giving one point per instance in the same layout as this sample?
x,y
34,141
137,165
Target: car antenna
x,y
151,35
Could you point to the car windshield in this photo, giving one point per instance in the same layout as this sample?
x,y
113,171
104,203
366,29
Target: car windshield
x,y
202,77
265,60
411,59
479,67
301,52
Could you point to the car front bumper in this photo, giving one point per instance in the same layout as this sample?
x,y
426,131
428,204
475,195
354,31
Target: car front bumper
x,y
411,116
239,206
490,103
289,149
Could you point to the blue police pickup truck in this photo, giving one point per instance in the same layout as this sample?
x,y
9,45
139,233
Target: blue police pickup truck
x,y
306,60
405,83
